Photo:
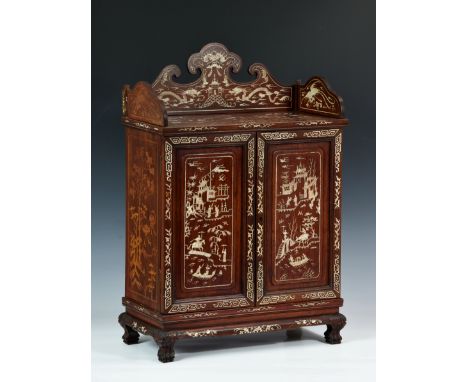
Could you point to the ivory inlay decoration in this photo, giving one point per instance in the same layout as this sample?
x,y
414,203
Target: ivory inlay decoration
x,y
316,96
296,230
215,89
208,245
233,204
257,329
141,222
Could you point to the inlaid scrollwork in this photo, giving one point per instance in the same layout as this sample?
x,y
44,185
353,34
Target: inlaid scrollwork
x,y
337,229
277,299
250,179
260,261
320,133
257,329
201,333
231,303
313,123
250,259
261,169
337,191
187,140
318,295
308,321
215,89
257,309
338,153
168,229
182,308
232,138
312,303
197,128
278,135
200,315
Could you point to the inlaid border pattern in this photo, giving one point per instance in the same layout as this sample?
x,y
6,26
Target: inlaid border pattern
x,y
250,180
260,242
232,138
168,226
337,217
315,295
278,135
250,228
187,140
182,308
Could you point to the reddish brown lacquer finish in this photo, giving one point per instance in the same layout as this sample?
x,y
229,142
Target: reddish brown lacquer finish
x,y
233,204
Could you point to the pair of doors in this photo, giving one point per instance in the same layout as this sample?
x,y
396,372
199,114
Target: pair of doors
x,y
250,219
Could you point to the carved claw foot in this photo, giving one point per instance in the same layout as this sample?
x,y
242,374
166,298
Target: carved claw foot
x,y
332,334
166,349
294,334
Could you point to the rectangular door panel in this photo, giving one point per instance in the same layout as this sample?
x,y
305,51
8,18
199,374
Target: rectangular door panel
x,y
209,202
209,261
295,257
297,221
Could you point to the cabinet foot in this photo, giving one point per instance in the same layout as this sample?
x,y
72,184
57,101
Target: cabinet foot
x,y
166,349
130,336
334,326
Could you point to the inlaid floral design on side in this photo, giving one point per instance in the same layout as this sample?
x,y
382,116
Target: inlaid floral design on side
x,y
142,217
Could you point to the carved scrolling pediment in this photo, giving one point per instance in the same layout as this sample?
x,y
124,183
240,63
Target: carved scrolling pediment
x,y
215,89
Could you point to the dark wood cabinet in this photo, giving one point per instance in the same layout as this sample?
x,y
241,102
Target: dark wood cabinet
x,y
233,207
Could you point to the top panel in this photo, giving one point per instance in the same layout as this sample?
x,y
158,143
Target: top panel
x,y
215,90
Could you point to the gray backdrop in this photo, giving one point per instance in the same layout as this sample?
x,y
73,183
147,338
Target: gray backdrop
x,y
133,40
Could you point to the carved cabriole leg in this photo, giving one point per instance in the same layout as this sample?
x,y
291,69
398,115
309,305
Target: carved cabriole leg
x,y
130,336
166,349
334,326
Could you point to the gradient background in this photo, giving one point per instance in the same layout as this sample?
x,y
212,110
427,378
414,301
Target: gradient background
x,y
134,40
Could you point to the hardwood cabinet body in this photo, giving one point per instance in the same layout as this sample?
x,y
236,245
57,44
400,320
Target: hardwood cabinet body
x,y
233,204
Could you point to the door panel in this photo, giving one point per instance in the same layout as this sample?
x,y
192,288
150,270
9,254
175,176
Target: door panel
x,y
212,253
298,244
295,242
209,203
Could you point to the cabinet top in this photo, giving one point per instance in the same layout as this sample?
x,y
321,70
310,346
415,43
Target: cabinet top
x,y
216,92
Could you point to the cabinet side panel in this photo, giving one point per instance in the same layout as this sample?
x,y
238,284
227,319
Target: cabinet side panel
x,y
142,218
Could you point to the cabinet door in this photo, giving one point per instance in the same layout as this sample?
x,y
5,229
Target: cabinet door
x,y
209,261
298,223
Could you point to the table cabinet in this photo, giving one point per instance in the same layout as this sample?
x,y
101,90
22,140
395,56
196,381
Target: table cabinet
x,y
233,204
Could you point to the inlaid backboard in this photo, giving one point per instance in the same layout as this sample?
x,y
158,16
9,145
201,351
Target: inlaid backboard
x,y
215,89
